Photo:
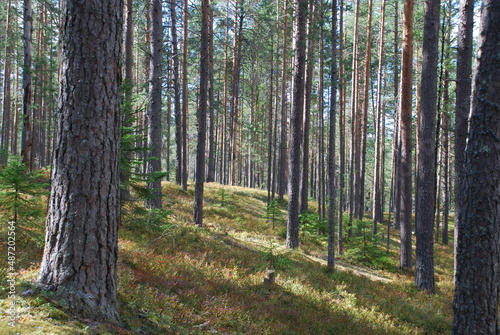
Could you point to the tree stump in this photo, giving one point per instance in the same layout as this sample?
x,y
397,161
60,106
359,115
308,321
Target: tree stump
x,y
270,277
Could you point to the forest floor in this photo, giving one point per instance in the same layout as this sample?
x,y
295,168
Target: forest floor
x,y
175,278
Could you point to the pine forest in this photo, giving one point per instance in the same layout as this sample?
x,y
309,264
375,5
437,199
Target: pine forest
x,y
249,167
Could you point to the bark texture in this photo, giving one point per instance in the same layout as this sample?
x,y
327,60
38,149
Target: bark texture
x,y
79,262
426,175
478,241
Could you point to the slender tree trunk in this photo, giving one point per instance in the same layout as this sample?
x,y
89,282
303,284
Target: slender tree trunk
x,y
202,113
212,143
331,145
405,123
27,135
378,213
463,99
6,111
81,245
127,104
235,91
475,305
364,120
296,119
185,103
283,131
304,185
355,124
341,192
153,163
177,94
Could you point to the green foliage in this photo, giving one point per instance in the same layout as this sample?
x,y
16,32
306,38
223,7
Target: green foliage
x,y
275,259
364,247
224,197
273,212
19,190
311,224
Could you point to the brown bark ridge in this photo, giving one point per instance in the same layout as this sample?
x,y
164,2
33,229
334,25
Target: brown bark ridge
x,y
294,152
79,262
426,175
475,305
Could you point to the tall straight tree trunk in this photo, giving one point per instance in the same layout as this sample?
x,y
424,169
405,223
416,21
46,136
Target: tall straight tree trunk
x,y
27,134
364,120
6,111
185,103
177,94
212,143
341,193
331,144
270,127
463,98
296,119
475,306
426,175
202,113
321,125
81,244
355,124
127,104
235,91
283,124
153,163
405,111
377,212
304,185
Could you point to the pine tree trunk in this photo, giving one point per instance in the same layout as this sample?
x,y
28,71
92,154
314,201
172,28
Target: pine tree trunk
x,y
304,182
153,163
475,305
212,143
185,103
177,94
463,98
6,111
341,193
127,104
364,120
27,135
405,123
296,119
79,262
284,118
331,145
426,175
377,215
202,114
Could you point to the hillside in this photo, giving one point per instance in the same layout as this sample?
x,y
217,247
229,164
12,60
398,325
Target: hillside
x,y
175,278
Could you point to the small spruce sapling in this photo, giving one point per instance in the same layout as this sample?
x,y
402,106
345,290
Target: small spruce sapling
x,y
19,189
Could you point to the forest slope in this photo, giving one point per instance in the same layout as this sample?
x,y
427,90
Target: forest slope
x,y
175,278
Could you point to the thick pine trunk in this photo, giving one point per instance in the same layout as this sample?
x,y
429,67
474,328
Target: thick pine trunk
x,y
79,262
27,134
478,241
185,103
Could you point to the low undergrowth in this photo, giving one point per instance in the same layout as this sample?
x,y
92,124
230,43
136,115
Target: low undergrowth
x,y
175,278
